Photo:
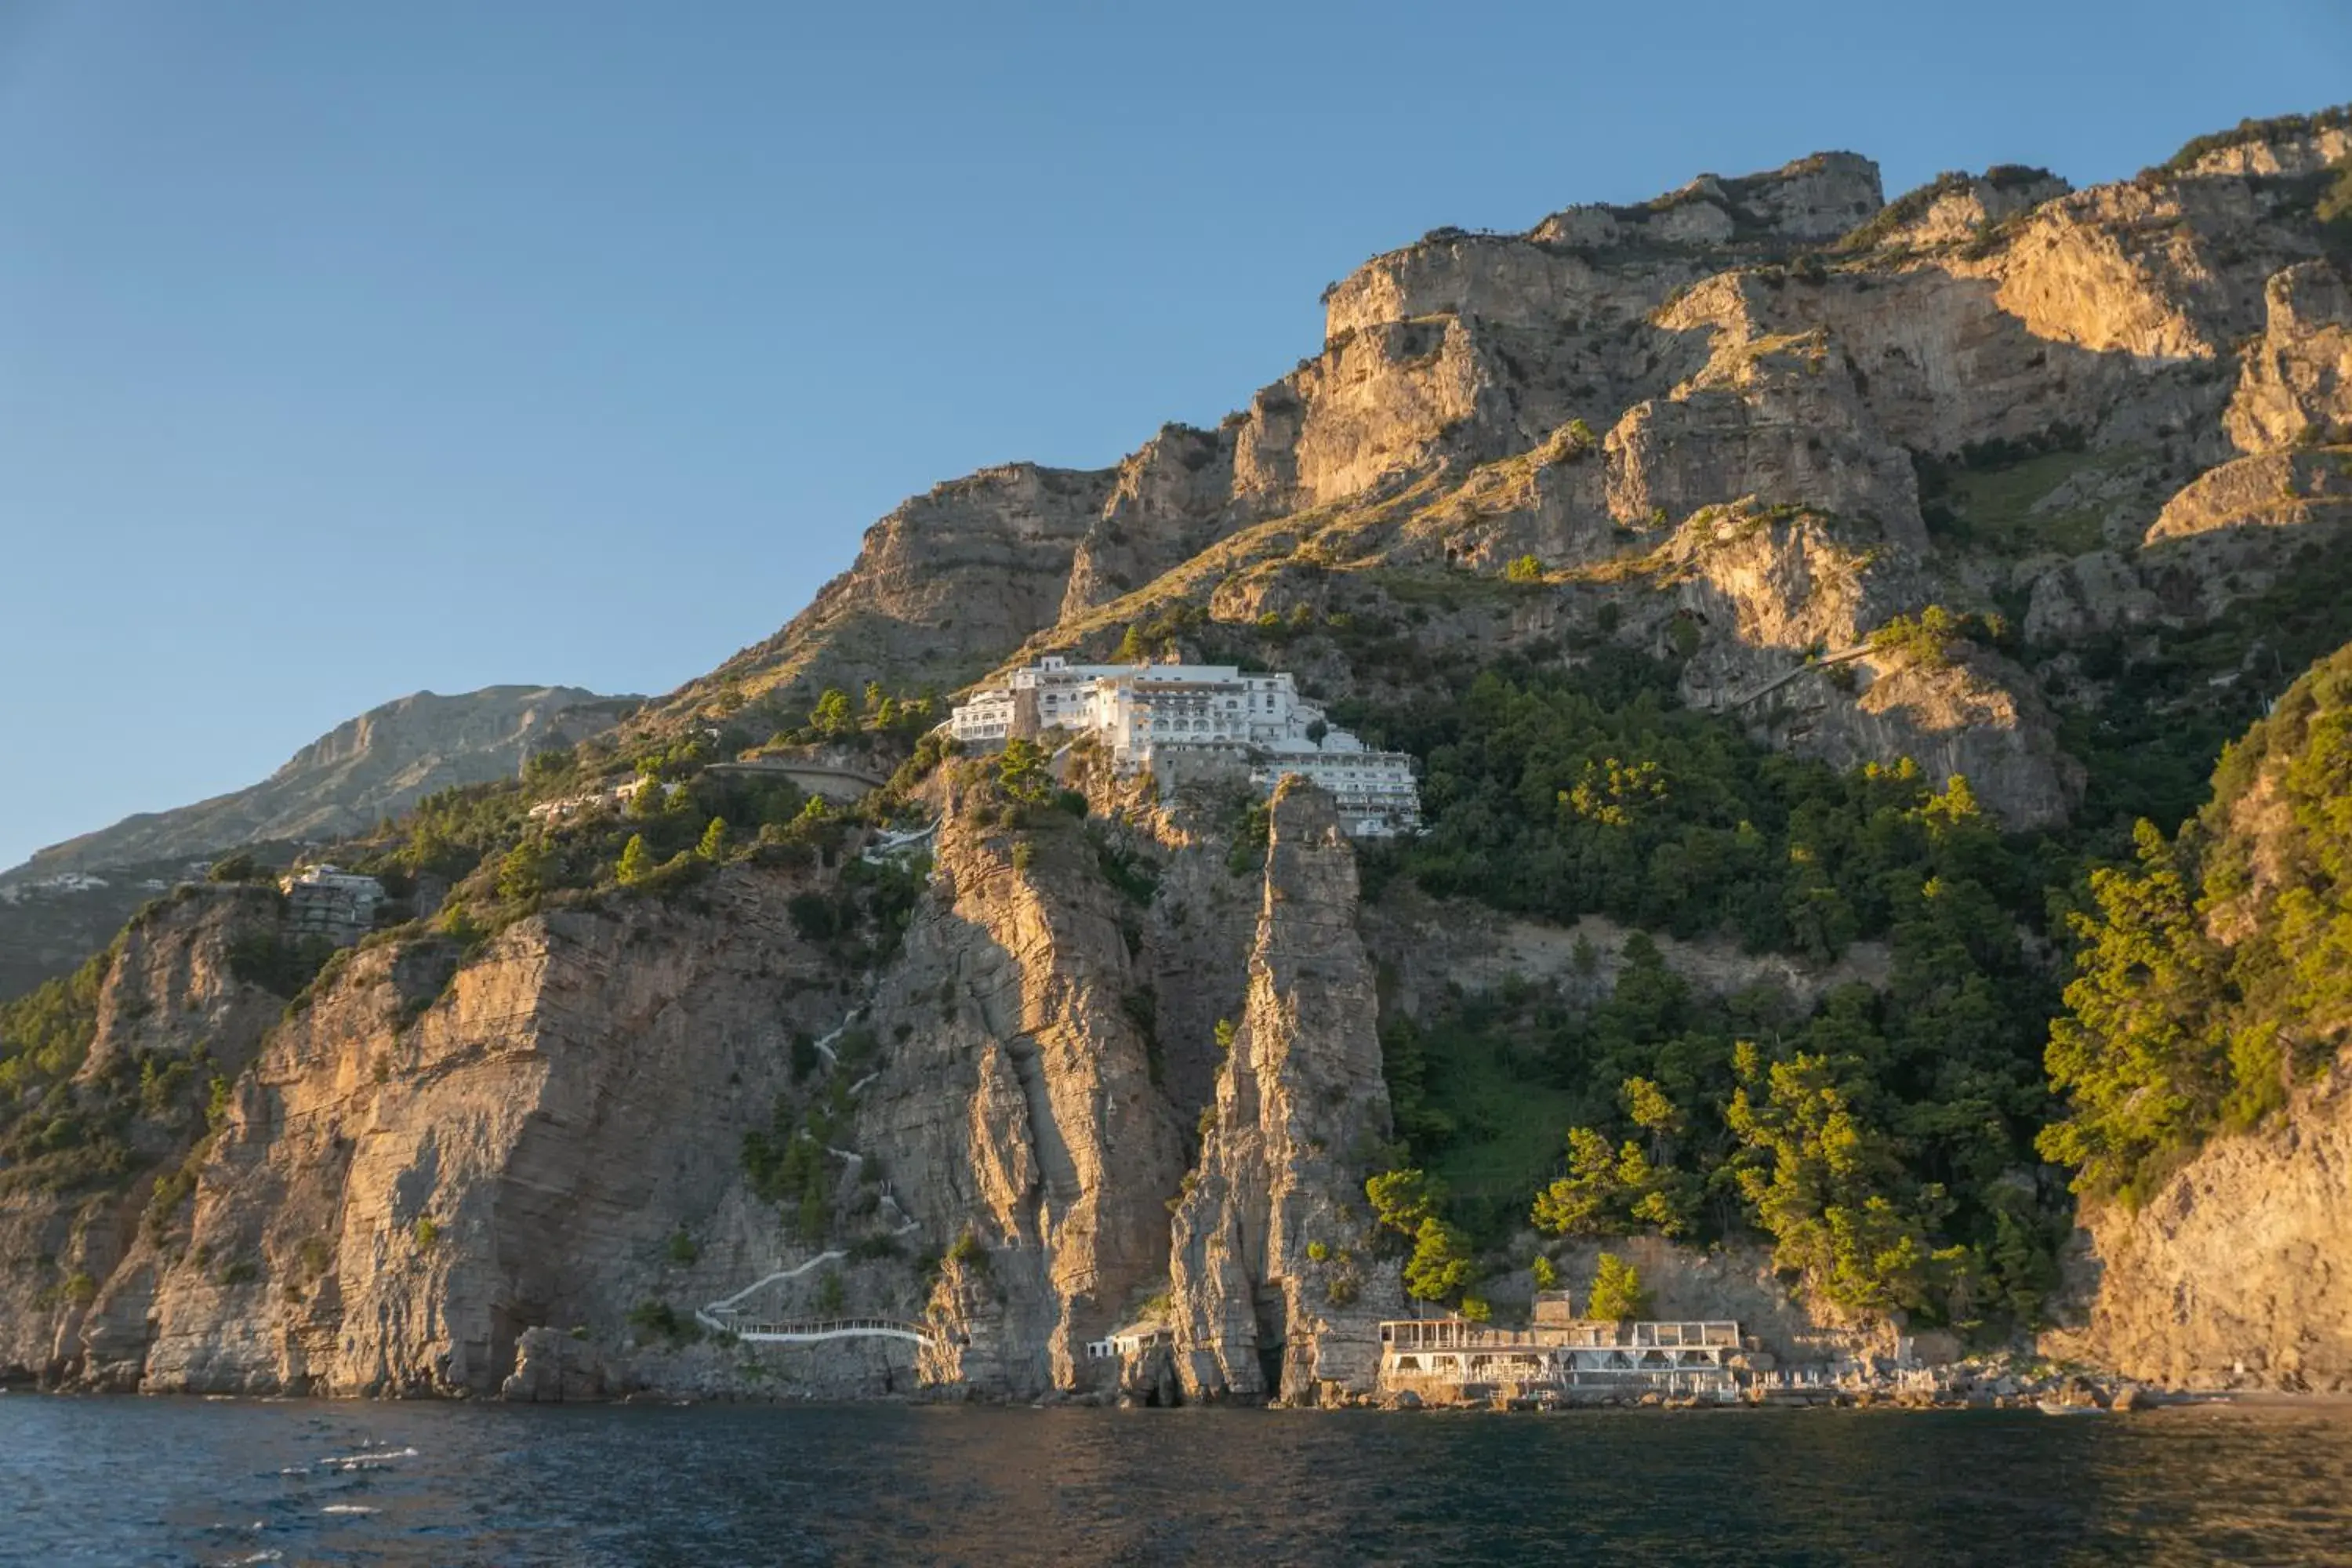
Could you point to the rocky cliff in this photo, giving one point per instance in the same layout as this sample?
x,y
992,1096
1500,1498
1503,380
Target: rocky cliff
x,y
2205,1048
1016,1054
83,1183
1276,1288
428,1159
1580,392
2233,1273
1021,1104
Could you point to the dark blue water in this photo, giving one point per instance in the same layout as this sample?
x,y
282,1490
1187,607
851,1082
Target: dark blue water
x,y
141,1481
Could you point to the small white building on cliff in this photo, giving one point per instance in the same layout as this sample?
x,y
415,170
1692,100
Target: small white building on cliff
x,y
1175,718
328,901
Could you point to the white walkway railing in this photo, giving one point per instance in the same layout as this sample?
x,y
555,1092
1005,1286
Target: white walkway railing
x,y
725,1317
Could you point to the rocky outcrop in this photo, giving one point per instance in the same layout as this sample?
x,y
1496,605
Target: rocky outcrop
x,y
1814,198
945,584
2296,388
2295,144
1386,399
1276,1291
1170,500
2097,592
1764,594
2233,1273
1955,208
553,1368
1020,1112
1775,422
2239,527
424,1164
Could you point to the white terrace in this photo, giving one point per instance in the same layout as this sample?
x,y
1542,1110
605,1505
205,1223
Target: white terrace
x,y
1456,1354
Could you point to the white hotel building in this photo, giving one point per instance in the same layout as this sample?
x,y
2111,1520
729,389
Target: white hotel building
x,y
1165,714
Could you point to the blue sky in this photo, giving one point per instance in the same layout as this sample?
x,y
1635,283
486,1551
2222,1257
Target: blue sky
x,y
351,350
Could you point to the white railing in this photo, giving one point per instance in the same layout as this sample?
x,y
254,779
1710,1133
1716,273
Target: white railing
x,y
725,1317
807,1331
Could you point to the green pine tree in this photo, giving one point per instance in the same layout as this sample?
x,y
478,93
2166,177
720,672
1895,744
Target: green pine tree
x,y
636,861
1617,1293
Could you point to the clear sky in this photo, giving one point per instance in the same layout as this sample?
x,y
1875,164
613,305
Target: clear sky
x,y
347,350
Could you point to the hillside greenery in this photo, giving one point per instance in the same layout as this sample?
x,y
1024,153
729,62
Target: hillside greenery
x,y
63,1132
1883,1139
2215,972
1898,1142
1559,795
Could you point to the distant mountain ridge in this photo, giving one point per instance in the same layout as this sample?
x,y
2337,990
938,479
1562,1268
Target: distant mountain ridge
x,y
66,901
363,770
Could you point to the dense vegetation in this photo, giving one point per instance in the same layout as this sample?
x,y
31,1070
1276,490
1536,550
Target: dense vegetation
x,y
1883,1140
1560,796
44,1033
656,824
62,1132
2218,970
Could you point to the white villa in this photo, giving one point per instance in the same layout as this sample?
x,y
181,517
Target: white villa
x,y
1156,715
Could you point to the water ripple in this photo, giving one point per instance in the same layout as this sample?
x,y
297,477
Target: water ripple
x,y
176,1481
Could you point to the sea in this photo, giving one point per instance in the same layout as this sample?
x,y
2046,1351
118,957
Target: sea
x,y
124,1481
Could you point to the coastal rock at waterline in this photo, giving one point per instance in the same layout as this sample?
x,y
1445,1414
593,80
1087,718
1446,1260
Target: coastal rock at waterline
x,y
2231,1274
553,1368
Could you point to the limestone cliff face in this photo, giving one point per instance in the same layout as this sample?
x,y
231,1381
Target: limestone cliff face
x,y
1300,1104
1019,1104
2233,1274
172,1011
1773,421
2296,385
173,989
1777,338
432,1159
1963,207
942,585
1763,593
1170,501
2289,148
1813,198
2240,527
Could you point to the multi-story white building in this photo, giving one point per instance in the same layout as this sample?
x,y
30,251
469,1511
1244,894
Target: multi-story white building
x,y
1172,714
328,901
